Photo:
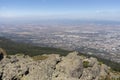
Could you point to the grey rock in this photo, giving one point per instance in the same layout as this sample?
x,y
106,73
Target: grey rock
x,y
69,67
54,67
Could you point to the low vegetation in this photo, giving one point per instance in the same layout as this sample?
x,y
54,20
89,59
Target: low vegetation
x,y
39,57
114,65
12,48
85,64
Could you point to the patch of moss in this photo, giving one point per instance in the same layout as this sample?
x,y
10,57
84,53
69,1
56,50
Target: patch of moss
x,y
100,63
20,54
39,57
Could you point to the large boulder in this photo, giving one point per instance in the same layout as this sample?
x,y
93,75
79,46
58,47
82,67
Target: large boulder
x,y
69,68
42,70
14,67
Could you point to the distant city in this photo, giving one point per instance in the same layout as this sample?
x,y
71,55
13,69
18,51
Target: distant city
x,y
94,39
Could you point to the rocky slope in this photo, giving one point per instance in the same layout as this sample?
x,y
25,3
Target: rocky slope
x,y
52,67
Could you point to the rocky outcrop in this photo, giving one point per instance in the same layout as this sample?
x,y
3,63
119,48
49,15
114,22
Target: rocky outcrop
x,y
69,68
54,67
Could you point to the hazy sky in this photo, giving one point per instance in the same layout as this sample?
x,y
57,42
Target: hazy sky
x,y
60,9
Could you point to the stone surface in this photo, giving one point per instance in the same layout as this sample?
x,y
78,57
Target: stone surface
x,y
55,67
69,67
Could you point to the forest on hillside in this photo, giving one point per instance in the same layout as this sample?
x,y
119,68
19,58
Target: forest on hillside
x,y
13,47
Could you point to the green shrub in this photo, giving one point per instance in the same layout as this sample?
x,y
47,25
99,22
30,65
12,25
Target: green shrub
x,y
85,64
